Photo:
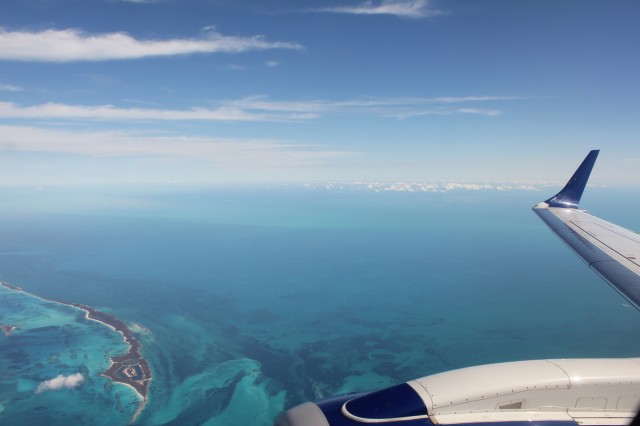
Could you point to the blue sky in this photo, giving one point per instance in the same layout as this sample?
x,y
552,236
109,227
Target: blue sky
x,y
209,91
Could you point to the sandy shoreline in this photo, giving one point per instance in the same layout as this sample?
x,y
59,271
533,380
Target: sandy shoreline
x,y
133,357
86,316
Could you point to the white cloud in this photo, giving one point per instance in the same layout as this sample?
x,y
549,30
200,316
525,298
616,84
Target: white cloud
x,y
73,45
236,67
425,186
272,64
402,8
392,107
61,382
447,111
478,111
453,99
256,108
259,152
109,112
262,103
10,88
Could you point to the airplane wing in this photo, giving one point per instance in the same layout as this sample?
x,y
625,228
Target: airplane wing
x,y
563,392
610,250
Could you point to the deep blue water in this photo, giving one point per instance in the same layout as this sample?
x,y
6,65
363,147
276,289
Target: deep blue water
x,y
259,299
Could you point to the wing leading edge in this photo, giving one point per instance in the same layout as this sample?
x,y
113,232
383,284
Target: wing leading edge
x,y
610,250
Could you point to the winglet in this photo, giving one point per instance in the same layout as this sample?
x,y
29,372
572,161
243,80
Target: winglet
x,y
570,195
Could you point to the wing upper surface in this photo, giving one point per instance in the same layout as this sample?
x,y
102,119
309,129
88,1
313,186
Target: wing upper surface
x,y
610,250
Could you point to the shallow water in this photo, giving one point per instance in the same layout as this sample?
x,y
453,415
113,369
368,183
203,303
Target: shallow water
x,y
256,300
51,340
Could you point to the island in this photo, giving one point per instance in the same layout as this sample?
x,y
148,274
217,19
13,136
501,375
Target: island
x,y
130,369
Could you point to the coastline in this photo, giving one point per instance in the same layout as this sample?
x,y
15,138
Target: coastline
x,y
140,406
130,369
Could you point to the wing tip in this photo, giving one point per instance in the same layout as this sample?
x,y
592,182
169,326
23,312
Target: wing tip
x,y
570,195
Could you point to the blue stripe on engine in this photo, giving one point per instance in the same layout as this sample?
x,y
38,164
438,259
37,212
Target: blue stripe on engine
x,y
390,397
397,401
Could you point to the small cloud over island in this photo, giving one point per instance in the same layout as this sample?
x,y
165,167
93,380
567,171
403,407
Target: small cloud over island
x,y
61,382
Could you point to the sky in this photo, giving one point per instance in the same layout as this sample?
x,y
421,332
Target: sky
x,y
255,91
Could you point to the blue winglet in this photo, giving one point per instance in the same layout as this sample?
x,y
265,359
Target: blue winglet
x,y
570,195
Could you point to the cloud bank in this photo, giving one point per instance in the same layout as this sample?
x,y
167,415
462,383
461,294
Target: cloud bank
x,y
70,45
414,9
61,382
427,186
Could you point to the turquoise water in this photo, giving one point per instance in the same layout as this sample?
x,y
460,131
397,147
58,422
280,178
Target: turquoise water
x,y
258,299
51,340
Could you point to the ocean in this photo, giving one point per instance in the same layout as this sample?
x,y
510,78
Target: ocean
x,y
250,300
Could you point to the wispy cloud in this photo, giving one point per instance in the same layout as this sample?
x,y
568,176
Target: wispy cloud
x,y
479,111
414,9
61,382
262,103
401,108
235,67
10,88
111,113
487,112
71,45
258,152
454,99
261,108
